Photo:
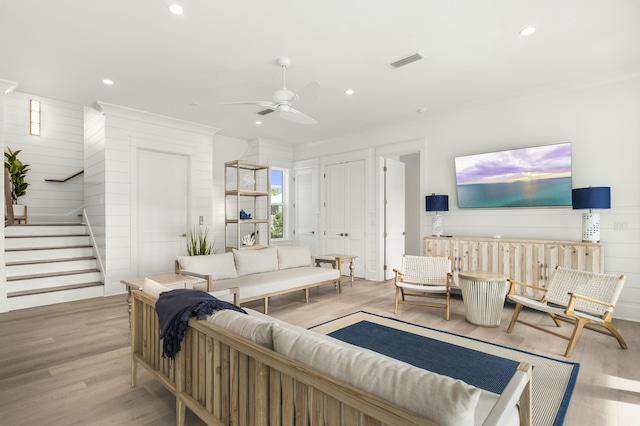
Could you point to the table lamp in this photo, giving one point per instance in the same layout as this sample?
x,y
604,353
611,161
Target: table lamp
x,y
437,203
591,198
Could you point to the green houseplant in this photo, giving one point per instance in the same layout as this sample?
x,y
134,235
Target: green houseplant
x,y
198,243
17,175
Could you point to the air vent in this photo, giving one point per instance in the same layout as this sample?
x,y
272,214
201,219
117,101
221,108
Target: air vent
x,y
265,111
407,60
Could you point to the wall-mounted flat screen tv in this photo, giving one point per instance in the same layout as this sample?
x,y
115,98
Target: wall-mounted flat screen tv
x,y
528,177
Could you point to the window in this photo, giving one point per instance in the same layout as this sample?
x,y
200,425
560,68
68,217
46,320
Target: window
x,y
278,203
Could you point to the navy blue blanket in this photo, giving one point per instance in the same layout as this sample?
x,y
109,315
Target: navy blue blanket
x,y
176,307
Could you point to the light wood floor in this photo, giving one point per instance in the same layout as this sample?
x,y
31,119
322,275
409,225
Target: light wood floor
x,y
68,364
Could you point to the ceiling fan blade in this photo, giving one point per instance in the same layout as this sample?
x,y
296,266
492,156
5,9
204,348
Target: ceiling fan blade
x,y
295,116
310,92
266,104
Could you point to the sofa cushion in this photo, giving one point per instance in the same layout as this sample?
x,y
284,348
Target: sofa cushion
x,y
255,261
256,285
255,329
442,399
293,257
219,266
153,288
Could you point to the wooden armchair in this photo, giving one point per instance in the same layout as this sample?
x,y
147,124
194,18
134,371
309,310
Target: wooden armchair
x,y
584,299
423,276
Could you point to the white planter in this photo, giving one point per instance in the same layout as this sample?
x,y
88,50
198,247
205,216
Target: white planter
x,y
19,211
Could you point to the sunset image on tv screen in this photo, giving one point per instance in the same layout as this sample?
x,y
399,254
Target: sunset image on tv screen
x,y
527,177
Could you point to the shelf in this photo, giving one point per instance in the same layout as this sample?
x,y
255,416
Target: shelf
x,y
247,221
246,192
247,187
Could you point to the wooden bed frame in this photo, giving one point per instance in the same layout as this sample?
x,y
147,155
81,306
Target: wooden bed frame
x,y
228,380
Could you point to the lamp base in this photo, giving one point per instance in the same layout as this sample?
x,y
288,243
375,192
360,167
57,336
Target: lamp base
x,y
437,225
590,227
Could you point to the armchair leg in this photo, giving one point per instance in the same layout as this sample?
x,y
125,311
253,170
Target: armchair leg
x,y
553,317
514,318
447,308
574,337
395,308
614,332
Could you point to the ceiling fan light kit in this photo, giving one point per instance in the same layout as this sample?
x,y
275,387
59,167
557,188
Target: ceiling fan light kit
x,y
283,99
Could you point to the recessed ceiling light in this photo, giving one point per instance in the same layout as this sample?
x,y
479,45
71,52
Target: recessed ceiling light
x,y
349,92
421,110
258,122
527,31
176,9
107,81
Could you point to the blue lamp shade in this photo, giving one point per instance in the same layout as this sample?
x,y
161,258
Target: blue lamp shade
x,y
437,203
591,198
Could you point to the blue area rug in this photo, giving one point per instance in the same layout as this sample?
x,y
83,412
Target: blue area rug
x,y
482,364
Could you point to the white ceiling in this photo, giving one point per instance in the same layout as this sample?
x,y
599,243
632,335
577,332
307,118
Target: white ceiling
x,y
223,51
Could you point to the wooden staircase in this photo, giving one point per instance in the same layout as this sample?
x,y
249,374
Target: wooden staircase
x,y
49,263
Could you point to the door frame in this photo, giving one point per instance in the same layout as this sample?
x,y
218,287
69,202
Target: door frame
x,y
391,151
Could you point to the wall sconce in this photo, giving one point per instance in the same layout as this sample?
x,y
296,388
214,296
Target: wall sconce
x,y
34,117
437,203
591,198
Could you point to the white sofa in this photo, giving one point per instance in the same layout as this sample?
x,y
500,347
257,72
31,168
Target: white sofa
x,y
254,369
260,274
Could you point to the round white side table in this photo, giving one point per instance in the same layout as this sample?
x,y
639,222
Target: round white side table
x,y
483,294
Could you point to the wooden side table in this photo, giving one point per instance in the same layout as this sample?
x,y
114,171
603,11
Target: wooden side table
x,y
483,294
335,260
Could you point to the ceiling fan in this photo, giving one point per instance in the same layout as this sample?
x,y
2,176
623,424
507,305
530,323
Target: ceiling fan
x,y
284,98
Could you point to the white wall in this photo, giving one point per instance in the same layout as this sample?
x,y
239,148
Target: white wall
x,y
6,87
126,130
602,122
56,154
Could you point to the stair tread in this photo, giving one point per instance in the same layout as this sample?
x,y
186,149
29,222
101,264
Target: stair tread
x,y
36,262
46,236
53,289
51,274
47,248
51,224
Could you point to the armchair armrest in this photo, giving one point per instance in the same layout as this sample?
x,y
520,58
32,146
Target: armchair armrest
x,y
573,298
206,277
398,275
518,390
513,284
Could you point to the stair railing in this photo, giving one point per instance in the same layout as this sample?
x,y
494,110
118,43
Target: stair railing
x,y
64,180
96,251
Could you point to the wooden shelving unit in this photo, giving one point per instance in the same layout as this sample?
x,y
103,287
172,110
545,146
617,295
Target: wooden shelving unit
x,y
247,187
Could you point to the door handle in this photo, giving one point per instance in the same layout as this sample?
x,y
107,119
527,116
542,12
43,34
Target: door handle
x,y
340,234
183,235
346,235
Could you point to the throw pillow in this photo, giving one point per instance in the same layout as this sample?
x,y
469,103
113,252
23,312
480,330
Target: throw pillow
x,y
153,288
219,266
254,261
293,257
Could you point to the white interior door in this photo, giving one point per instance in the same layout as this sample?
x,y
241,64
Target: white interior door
x,y
394,225
345,211
162,210
305,208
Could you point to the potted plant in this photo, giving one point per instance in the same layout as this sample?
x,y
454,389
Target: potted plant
x,y
17,174
198,243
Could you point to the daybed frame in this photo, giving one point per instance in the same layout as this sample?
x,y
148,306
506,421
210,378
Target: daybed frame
x,y
227,380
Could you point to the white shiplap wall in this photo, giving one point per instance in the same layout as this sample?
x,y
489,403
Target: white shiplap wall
x,y
126,131
56,154
94,176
